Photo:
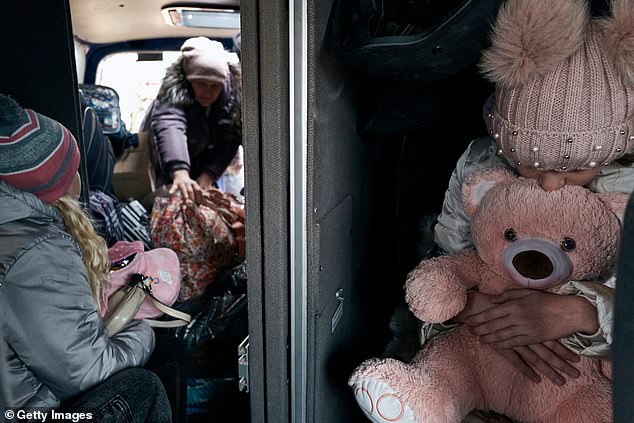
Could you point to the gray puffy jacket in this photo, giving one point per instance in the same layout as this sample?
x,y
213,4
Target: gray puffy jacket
x,y
53,344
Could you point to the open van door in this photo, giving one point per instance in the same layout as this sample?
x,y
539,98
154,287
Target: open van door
x,y
307,178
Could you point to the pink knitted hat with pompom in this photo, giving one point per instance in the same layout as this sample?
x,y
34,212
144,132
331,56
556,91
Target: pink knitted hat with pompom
x,y
564,97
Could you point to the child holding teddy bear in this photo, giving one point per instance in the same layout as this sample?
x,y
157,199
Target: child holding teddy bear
x,y
562,114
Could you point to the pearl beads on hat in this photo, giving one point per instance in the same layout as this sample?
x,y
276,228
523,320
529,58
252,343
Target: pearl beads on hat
x,y
516,143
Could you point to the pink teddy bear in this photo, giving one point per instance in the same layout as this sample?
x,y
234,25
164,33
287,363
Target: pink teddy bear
x,y
525,237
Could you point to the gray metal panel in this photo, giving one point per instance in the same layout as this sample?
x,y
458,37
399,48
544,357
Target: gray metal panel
x,y
266,141
339,186
333,311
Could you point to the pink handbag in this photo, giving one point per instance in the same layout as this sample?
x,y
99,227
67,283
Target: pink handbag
x,y
160,265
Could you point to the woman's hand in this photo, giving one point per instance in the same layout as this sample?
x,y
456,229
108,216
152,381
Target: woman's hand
x,y
524,317
186,186
550,359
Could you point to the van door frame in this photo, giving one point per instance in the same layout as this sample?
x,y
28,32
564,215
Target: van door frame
x,y
266,139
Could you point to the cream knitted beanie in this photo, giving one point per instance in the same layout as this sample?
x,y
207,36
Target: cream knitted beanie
x,y
204,59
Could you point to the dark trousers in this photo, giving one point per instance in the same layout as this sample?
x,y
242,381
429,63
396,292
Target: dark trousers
x,y
131,395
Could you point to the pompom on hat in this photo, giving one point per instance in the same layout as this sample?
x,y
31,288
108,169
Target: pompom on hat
x,y
204,59
37,154
564,86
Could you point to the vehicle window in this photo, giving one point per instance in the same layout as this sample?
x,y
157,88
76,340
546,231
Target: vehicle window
x,y
137,82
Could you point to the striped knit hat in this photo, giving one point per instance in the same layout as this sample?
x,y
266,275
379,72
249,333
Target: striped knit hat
x,y
37,153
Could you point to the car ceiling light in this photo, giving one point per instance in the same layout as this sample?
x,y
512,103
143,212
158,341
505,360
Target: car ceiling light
x,y
201,17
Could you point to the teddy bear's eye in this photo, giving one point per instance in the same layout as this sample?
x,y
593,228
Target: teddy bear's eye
x,y
510,235
568,244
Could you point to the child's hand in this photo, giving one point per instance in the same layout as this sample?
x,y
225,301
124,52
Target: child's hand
x,y
524,317
476,303
550,359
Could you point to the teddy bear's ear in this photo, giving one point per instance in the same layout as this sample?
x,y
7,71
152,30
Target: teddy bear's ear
x,y
616,201
479,183
530,37
618,38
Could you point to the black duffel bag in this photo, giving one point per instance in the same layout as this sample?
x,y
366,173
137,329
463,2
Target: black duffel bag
x,y
198,363
219,324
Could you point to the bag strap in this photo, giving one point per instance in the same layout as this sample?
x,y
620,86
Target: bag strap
x,y
128,301
181,318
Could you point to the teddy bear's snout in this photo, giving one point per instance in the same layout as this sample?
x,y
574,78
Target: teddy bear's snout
x,y
533,264
536,263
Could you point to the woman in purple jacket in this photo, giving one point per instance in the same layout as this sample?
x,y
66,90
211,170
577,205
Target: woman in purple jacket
x,y
195,120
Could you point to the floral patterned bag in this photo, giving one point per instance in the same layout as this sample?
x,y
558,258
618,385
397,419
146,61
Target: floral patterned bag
x,y
208,238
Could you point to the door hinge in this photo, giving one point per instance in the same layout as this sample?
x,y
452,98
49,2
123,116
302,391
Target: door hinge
x,y
243,365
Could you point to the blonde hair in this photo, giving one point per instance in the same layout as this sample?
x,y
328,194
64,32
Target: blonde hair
x,y
93,247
